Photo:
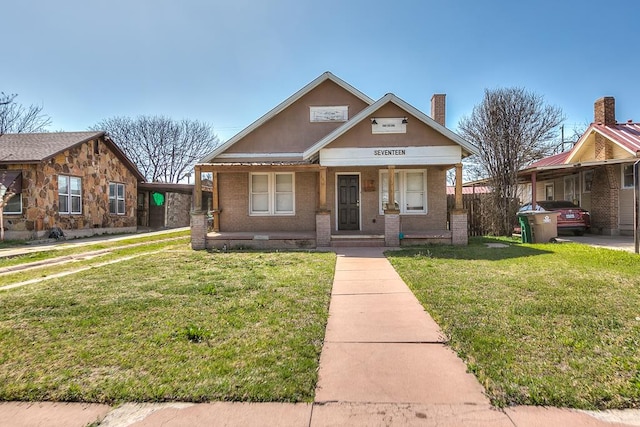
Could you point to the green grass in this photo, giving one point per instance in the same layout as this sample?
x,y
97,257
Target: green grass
x,y
62,249
179,325
552,324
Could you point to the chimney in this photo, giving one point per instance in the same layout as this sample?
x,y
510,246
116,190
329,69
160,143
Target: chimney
x,y
604,111
438,108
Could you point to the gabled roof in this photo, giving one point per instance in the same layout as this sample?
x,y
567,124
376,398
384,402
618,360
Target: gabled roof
x,y
29,148
283,105
367,112
626,135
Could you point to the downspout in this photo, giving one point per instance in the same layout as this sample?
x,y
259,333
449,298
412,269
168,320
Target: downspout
x,y
636,210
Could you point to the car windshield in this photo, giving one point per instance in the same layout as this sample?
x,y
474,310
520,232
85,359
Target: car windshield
x,y
557,204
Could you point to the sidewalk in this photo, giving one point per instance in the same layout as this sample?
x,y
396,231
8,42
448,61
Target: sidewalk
x,y
384,362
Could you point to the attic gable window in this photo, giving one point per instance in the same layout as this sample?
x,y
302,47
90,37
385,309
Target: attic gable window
x,y
339,113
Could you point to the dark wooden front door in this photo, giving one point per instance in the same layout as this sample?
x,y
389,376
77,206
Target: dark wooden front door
x,y
348,202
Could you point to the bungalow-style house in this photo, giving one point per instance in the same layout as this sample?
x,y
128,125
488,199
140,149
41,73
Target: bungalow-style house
x,y
330,166
80,182
597,173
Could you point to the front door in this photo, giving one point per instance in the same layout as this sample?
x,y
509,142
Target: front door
x,y
348,202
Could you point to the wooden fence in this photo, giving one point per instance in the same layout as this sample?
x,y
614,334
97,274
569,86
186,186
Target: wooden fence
x,y
473,204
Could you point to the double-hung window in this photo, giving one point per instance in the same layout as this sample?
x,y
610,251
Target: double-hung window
x,y
272,193
69,194
116,198
410,191
627,176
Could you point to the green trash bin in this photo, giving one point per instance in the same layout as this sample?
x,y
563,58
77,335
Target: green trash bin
x,y
525,228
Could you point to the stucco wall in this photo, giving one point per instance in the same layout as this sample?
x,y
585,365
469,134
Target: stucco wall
x,y
40,194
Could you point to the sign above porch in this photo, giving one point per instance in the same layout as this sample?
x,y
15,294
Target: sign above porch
x,y
382,156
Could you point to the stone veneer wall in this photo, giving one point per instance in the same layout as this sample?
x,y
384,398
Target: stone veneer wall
x,y
178,210
40,194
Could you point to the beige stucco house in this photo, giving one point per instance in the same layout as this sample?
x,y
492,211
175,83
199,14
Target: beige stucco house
x,y
330,166
80,182
597,173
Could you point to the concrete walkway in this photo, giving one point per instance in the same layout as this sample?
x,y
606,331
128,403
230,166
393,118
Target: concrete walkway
x,y
384,362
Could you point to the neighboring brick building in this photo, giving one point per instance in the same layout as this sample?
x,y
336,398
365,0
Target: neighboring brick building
x,y
597,173
80,182
331,166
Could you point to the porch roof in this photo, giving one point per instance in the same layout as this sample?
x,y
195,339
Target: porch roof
x,y
555,171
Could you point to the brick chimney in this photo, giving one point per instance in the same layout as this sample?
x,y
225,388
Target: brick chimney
x,y
604,111
438,107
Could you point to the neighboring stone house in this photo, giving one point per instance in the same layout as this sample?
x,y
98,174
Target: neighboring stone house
x,y
80,182
330,166
597,173
164,205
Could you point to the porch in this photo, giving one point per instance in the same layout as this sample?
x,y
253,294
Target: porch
x,y
307,239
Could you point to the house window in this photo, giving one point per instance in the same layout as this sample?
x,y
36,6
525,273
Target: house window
x,y
14,205
627,176
69,194
272,193
572,189
548,192
410,191
587,180
116,198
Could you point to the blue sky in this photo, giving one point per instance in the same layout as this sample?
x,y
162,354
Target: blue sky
x,y
229,62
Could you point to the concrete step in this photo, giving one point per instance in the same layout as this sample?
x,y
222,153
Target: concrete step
x,y
357,240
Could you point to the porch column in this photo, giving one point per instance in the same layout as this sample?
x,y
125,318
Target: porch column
x,y
323,214
215,203
459,204
198,216
391,213
534,196
459,217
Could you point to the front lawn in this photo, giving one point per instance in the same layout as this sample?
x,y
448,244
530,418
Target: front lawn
x,y
548,324
177,325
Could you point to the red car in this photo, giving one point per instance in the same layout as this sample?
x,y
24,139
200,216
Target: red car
x,y
572,218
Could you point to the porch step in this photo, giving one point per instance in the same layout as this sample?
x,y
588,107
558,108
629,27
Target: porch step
x,y
375,240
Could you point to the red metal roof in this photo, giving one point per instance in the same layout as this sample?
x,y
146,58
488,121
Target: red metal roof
x,y
480,189
625,134
556,159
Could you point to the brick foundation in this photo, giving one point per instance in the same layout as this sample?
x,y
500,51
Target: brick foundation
x,y
198,230
323,228
391,228
459,231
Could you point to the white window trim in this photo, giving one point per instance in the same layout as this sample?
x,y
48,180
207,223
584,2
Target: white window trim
x,y
553,191
69,195
622,186
403,190
271,191
116,198
584,181
7,212
576,191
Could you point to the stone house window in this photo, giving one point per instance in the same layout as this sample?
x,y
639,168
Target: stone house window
x,y
14,205
116,198
272,193
69,194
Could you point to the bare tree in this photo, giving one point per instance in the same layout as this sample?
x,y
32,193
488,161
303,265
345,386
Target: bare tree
x,y
512,128
164,150
16,118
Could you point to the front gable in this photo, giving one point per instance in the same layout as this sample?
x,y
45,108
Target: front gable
x,y
412,138
623,141
295,124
